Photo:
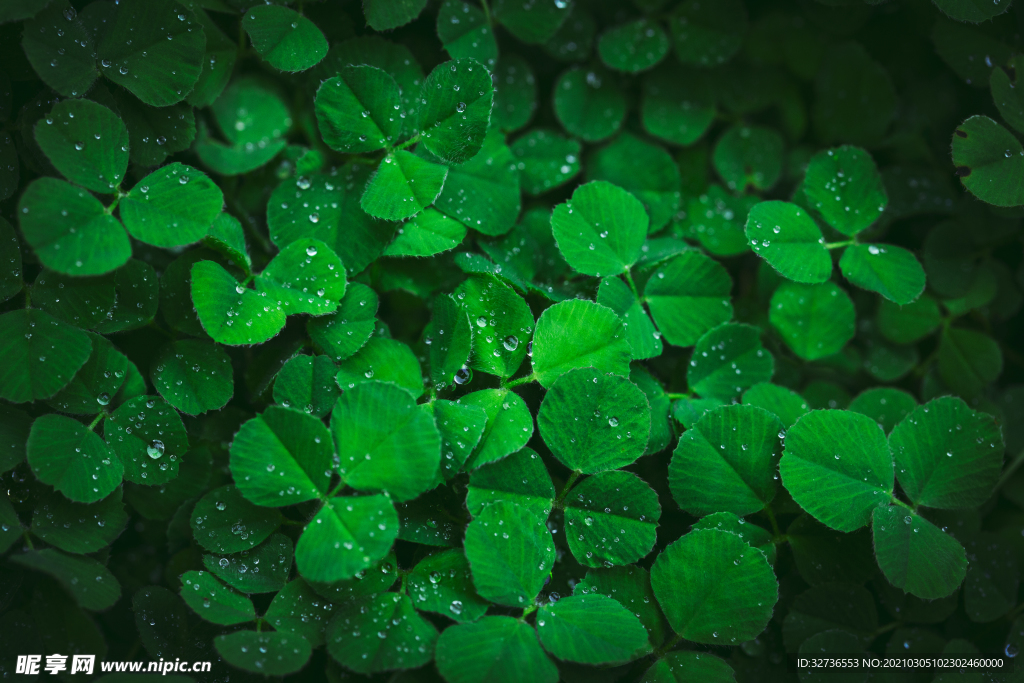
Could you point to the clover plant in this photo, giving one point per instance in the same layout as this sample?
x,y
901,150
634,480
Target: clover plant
x,y
511,340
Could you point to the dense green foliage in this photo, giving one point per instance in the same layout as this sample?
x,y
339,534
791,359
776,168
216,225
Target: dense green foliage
x,y
511,340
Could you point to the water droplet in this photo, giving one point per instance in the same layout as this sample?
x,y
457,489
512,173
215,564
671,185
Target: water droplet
x,y
155,449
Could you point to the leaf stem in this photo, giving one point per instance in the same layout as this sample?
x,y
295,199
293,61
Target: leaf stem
x,y
632,285
527,611
676,395
669,644
249,226
113,205
1012,355
901,503
487,13
28,540
522,380
1008,472
568,485
153,325
775,525
836,245
885,629
923,366
99,418
408,143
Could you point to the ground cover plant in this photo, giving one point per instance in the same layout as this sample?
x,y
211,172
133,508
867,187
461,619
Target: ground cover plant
x,y
511,340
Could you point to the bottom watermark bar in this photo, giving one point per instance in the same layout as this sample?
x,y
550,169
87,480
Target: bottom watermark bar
x,y
975,663
32,665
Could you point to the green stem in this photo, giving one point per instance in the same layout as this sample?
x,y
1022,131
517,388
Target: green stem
x,y
358,159
521,380
250,228
836,245
487,13
632,285
902,504
923,366
568,485
1010,469
408,143
527,611
136,646
113,204
885,629
1012,355
99,418
669,644
675,396
28,540
153,325
775,525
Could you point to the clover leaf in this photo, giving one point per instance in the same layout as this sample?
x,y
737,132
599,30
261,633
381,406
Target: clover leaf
x,y
273,653
500,340
496,648
595,422
737,449
837,466
713,587
284,38
592,629
788,239
384,441
611,519
509,571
